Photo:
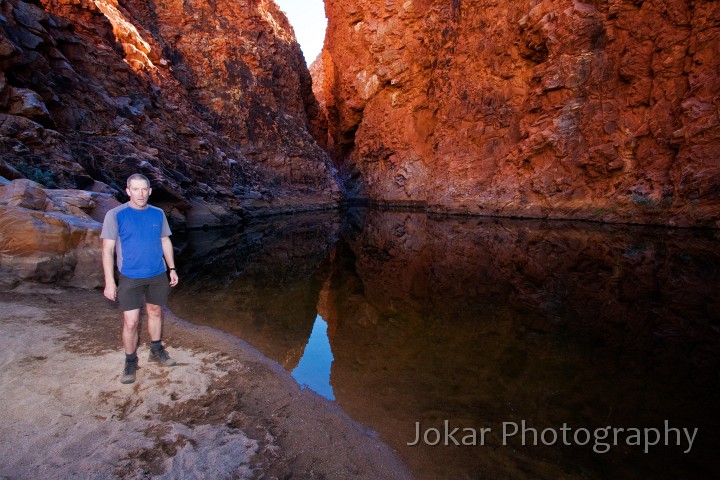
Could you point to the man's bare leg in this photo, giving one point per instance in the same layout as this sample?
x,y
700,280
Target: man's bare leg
x,y
154,321
131,320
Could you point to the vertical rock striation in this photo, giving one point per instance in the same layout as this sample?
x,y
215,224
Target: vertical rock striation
x,y
553,108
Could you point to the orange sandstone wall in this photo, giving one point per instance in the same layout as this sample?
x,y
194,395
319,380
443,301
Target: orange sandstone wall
x,y
605,110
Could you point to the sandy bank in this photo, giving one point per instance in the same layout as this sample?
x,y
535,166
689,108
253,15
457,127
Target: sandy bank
x,y
224,411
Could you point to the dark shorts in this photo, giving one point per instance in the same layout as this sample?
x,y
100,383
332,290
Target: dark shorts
x,y
133,293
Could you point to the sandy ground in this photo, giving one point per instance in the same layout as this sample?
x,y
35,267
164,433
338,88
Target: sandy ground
x,y
224,411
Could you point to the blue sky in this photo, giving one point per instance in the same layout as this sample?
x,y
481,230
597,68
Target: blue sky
x,y
308,20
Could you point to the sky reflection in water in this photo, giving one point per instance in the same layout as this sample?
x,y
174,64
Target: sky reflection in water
x,y
480,322
313,369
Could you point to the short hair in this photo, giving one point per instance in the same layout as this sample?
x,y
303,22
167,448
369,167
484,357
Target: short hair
x,y
137,176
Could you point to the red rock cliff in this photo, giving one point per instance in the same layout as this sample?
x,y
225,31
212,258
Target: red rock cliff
x,y
211,100
554,108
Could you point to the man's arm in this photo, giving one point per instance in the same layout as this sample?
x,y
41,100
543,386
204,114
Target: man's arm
x,y
169,255
108,263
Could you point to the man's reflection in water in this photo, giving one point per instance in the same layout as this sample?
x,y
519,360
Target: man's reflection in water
x,y
313,370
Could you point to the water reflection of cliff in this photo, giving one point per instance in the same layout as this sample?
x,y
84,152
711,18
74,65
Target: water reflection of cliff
x,y
260,283
481,322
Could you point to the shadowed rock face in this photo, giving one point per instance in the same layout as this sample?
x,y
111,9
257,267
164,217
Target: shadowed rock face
x,y
212,101
556,108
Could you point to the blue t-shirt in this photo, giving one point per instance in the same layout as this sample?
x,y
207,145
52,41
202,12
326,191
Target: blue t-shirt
x,y
138,235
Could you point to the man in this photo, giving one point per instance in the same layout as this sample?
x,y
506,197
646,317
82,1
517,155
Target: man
x,y
140,234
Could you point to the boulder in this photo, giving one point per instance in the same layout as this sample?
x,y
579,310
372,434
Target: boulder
x,y
50,248
51,236
27,103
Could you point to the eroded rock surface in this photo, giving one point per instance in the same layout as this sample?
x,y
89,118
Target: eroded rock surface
x,y
213,102
552,108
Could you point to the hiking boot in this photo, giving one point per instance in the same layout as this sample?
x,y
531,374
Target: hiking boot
x,y
129,372
161,356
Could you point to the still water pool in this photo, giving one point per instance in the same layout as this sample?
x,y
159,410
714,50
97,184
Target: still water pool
x,y
483,348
